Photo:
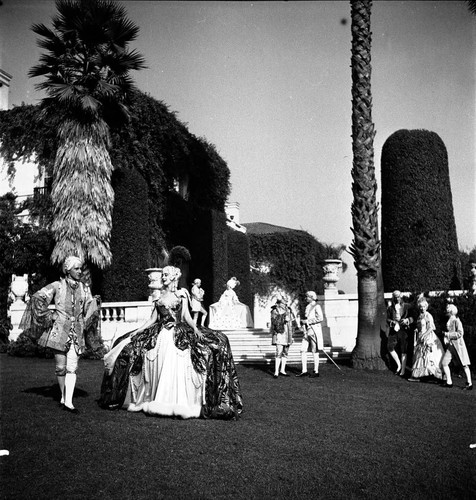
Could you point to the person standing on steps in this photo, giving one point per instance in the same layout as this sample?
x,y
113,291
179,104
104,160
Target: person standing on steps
x,y
197,293
281,329
62,328
312,339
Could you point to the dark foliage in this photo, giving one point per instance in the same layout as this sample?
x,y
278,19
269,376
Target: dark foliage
x,y
205,234
25,347
27,133
24,248
126,279
158,146
161,148
419,242
296,262
239,265
466,259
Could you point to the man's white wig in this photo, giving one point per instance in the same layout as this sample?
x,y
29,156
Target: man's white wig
x,y
233,281
452,308
70,262
312,295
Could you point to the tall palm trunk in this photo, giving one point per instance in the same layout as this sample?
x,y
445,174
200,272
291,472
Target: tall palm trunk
x,y
82,194
365,246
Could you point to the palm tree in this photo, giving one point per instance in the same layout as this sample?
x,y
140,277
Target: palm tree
x,y
471,4
86,69
365,247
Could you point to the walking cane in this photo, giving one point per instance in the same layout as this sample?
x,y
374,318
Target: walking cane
x,y
332,361
342,373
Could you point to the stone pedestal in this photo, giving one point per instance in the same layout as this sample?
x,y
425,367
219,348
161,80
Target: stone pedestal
x,y
339,327
18,293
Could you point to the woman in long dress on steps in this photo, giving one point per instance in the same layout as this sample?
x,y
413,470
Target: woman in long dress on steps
x,y
169,367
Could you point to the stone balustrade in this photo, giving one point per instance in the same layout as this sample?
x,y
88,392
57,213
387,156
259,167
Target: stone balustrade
x,y
339,325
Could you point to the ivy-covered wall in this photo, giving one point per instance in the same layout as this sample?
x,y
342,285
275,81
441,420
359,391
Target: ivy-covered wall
x,y
161,148
419,242
155,144
295,258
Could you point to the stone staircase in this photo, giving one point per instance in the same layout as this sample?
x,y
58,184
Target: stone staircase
x,y
253,346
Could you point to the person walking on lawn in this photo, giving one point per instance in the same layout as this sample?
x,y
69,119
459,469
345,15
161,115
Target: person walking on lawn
x,y
455,347
398,319
62,328
312,339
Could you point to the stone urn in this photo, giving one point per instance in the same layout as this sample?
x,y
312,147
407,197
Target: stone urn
x,y
331,276
19,287
155,282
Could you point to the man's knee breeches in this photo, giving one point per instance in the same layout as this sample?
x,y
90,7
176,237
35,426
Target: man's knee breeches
x,y
307,343
447,357
401,338
282,351
66,362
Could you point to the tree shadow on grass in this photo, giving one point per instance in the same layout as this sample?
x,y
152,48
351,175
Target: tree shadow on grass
x,y
53,392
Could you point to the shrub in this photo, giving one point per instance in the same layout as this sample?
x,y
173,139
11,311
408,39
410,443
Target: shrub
x,y
419,242
125,279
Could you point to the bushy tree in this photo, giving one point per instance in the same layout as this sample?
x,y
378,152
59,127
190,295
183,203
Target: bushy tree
x,y
419,242
86,68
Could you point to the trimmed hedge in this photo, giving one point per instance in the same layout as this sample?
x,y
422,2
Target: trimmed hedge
x,y
126,279
419,242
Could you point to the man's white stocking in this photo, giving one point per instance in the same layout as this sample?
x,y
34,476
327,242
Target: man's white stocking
x,y
61,386
69,383
316,362
304,362
283,364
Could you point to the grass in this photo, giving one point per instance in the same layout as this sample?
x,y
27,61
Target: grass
x,y
355,434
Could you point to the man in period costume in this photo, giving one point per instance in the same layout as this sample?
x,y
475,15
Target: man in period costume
x,y
399,320
312,339
62,327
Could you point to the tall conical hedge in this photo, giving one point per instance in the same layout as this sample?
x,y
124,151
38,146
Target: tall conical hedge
x,y
419,242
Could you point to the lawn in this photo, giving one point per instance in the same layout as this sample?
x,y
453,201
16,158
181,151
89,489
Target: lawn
x,y
350,434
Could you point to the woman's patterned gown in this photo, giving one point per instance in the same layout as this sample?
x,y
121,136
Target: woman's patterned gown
x,y
166,370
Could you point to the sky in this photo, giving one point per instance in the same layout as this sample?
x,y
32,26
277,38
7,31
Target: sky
x,y
269,84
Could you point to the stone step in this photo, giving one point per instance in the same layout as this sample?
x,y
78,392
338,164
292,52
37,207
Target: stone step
x,y
253,346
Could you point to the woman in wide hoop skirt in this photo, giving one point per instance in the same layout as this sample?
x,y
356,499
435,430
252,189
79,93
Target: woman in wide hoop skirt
x,y
169,367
